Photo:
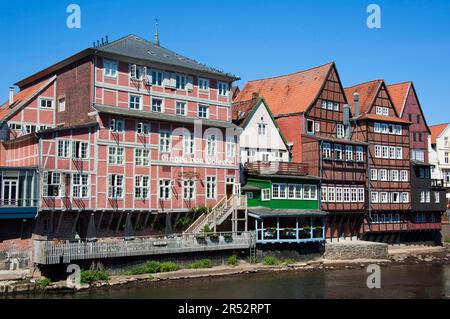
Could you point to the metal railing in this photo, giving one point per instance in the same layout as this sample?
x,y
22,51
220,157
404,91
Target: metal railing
x,y
277,168
57,252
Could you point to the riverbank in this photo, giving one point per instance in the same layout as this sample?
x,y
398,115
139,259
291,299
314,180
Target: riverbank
x,y
397,256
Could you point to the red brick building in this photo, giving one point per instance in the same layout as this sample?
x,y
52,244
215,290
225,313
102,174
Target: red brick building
x,y
126,137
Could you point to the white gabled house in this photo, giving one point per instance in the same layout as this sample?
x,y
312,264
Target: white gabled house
x,y
439,154
261,139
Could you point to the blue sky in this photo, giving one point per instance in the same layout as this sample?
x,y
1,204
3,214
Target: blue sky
x,y
252,39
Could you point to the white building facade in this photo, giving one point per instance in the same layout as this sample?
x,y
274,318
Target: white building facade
x,y
439,154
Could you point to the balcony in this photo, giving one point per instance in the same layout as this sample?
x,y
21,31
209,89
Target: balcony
x,y
276,168
437,183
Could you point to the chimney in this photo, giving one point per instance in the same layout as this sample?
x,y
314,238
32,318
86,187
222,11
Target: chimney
x,y
346,115
11,96
356,104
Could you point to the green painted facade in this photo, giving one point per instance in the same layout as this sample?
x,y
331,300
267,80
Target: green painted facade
x,y
263,183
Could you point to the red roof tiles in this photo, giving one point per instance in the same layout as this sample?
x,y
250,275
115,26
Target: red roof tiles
x,y
367,94
241,110
399,93
288,94
436,131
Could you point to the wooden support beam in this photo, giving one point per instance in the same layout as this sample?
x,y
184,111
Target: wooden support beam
x,y
119,221
100,221
59,222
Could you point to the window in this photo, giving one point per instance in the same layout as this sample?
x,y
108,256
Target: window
x,y
379,110
231,147
359,154
385,111
377,151
63,149
211,145
80,150
115,186
136,72
437,197
46,103
339,194
211,187
15,126
324,194
395,197
398,130
360,195
135,102
354,197
223,89
157,77
165,189
203,84
180,108
309,192
188,144
324,104
142,157
331,194
349,153
338,152
116,126
420,136
62,105
418,155
415,137
336,107
52,184
422,197
265,195
326,150
373,174
265,157
262,129
347,195
404,197
420,218
115,155
383,175
278,191
446,157
141,187
340,131
157,105
310,126
384,151
418,118
398,153
109,68
446,141
189,189
165,141
203,111
384,197
80,186
392,153
181,82
394,176
428,196
377,128
404,176
30,128
330,105
374,197
143,128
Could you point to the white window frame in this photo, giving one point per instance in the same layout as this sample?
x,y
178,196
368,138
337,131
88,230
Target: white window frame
x,y
110,68
42,99
142,157
80,185
114,187
165,141
189,189
203,111
326,150
116,125
135,102
223,89
63,149
181,108
359,154
158,108
188,144
142,128
265,194
203,84
141,187
211,187
81,148
340,131
116,155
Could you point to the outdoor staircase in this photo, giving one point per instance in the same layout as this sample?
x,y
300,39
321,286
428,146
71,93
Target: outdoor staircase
x,y
216,217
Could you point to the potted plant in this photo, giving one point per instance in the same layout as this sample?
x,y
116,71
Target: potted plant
x,y
213,237
270,232
318,232
228,237
201,238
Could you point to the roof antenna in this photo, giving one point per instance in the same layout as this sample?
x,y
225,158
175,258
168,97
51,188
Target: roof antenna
x,y
156,34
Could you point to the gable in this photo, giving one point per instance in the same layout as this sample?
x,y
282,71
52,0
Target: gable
x,y
382,99
272,140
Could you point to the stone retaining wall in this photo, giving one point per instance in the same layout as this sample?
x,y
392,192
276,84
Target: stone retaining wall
x,y
347,250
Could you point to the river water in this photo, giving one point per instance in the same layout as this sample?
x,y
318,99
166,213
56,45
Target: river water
x,y
398,281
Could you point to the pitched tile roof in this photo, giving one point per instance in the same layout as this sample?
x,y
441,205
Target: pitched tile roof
x,y
391,119
291,93
242,110
22,98
367,93
436,131
398,93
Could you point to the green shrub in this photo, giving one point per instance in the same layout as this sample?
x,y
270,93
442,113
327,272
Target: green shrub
x,y
232,261
207,229
270,261
447,240
289,261
252,260
168,267
43,282
91,276
199,264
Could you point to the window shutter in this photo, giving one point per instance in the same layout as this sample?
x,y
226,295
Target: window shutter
x,y
190,83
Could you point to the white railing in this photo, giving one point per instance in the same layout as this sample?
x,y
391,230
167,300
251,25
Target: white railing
x,y
57,252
